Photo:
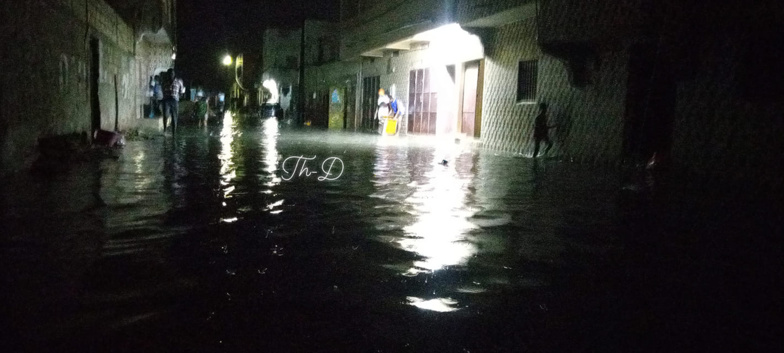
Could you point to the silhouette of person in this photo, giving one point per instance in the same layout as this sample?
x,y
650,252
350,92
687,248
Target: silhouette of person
x,y
540,130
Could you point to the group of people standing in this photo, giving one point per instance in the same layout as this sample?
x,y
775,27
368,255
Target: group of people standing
x,y
165,97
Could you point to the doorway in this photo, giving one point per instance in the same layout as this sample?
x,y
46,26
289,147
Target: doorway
x,y
337,108
422,103
370,87
348,106
470,99
95,72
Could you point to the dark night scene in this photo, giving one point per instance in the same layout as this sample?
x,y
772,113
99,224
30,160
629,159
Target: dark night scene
x,y
391,176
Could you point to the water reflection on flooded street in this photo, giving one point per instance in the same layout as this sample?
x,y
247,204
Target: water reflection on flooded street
x,y
196,243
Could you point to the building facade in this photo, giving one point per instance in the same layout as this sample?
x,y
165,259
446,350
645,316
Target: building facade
x,y
282,64
73,66
697,84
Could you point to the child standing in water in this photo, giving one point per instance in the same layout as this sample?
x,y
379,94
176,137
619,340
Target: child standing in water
x,y
203,111
540,130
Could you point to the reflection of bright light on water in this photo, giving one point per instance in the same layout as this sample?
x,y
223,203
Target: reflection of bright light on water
x,y
441,305
138,162
275,204
440,232
141,169
227,171
269,146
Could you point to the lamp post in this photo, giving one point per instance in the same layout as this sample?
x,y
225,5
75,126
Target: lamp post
x,y
238,64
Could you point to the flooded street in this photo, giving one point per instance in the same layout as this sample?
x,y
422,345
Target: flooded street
x,y
217,240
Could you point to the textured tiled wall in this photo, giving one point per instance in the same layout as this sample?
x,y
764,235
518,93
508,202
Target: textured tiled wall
x,y
589,119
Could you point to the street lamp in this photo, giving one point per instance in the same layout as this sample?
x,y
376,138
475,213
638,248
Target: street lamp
x,y
237,62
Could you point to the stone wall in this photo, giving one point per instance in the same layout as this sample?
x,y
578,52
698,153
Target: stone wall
x,y
45,73
589,119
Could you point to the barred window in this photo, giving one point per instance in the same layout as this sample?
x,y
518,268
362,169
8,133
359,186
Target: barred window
x,y
526,81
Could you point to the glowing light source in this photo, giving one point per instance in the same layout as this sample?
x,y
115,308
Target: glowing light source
x,y
227,60
272,86
269,143
450,44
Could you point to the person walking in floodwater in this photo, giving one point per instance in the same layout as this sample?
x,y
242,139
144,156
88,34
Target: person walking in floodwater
x,y
173,87
541,130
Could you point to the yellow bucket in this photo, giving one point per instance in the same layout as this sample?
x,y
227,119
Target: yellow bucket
x,y
391,127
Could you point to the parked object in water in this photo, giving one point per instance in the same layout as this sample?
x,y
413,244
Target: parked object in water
x,y
269,110
108,138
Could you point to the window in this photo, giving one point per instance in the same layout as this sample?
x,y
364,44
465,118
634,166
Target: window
x,y
526,81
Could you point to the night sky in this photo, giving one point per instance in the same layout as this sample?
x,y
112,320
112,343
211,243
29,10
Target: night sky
x,y
208,29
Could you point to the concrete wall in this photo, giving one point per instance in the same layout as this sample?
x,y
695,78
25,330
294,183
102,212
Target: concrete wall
x,y
388,22
718,134
321,78
281,58
467,11
322,42
604,22
590,119
45,76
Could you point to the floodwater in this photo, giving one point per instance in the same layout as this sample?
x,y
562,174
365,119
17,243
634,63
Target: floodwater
x,y
216,240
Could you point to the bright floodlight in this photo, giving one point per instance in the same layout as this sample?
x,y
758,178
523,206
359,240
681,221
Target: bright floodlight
x,y
272,86
227,60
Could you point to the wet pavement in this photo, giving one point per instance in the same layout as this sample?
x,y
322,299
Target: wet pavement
x,y
217,240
